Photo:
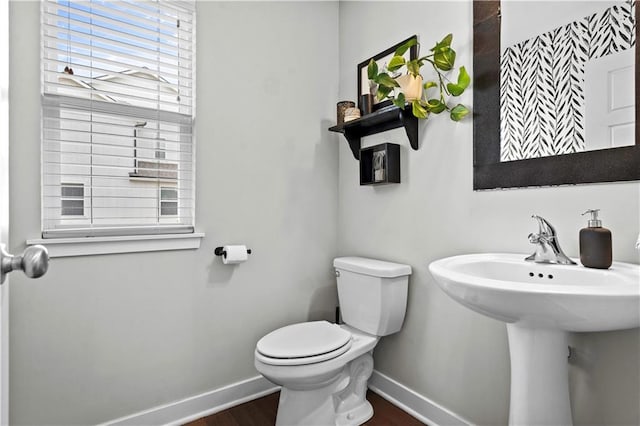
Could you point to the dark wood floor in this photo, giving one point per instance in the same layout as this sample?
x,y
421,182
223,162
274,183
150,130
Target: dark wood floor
x,y
262,412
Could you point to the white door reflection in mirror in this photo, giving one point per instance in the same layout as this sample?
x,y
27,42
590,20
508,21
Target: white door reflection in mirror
x,y
610,101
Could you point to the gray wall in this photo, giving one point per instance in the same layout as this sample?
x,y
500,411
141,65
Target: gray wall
x,y
105,336
445,352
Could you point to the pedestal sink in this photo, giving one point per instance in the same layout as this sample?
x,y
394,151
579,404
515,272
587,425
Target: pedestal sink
x,y
541,303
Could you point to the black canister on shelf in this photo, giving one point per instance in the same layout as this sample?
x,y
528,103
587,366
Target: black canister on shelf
x,y
366,103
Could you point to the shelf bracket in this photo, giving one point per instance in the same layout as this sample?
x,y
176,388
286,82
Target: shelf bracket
x,y
353,137
410,124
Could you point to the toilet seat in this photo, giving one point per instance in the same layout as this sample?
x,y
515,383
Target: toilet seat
x,y
303,343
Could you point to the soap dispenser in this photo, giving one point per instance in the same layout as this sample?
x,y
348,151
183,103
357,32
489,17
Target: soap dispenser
x,y
595,243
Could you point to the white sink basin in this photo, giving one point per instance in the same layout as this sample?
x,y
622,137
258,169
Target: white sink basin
x,y
566,297
541,303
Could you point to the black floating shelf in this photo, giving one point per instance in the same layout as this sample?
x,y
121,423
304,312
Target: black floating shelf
x,y
382,120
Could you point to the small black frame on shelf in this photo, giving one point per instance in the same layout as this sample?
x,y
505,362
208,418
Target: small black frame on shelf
x,y
382,120
380,164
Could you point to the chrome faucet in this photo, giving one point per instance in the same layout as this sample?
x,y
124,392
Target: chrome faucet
x,y
547,247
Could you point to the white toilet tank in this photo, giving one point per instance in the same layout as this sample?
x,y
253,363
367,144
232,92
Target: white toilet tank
x,y
372,293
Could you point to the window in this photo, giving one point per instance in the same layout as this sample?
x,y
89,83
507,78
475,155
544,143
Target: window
x,y
168,201
117,117
72,199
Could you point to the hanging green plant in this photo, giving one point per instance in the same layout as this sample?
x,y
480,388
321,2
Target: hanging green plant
x,y
410,88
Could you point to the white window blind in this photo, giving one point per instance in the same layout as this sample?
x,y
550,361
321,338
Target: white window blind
x,y
117,117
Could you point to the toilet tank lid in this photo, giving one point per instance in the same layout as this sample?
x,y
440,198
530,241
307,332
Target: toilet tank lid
x,y
373,267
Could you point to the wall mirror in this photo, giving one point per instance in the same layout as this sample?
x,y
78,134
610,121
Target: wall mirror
x,y
535,121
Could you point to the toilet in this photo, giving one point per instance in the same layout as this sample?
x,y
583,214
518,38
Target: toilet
x,y
323,367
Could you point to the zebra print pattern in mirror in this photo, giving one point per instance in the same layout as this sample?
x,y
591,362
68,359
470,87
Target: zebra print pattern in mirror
x,y
542,83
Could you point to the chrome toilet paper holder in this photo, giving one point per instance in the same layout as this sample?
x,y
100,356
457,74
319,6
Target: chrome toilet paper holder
x,y
220,251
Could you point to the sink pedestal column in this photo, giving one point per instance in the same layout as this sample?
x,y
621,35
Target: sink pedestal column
x,y
539,376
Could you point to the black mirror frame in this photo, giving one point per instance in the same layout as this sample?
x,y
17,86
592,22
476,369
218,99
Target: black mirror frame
x,y
608,165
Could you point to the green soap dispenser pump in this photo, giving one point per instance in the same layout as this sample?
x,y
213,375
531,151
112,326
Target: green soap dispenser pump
x,y
595,243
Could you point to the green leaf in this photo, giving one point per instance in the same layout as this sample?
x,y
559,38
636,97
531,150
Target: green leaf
x,y
383,79
402,49
454,89
463,78
372,70
463,83
435,106
418,110
430,84
444,59
395,63
382,93
459,112
399,101
413,67
443,44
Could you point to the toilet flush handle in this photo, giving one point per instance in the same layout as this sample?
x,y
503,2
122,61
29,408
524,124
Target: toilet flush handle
x,y
337,273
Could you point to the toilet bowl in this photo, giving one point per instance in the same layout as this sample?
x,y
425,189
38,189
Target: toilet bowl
x,y
321,393
322,367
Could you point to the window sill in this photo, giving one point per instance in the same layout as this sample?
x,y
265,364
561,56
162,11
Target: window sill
x,y
89,246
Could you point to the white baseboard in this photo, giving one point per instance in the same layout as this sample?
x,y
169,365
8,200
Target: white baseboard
x,y
213,401
195,407
418,406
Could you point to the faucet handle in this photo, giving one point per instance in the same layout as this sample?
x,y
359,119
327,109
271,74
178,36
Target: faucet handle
x,y
541,238
534,238
544,227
